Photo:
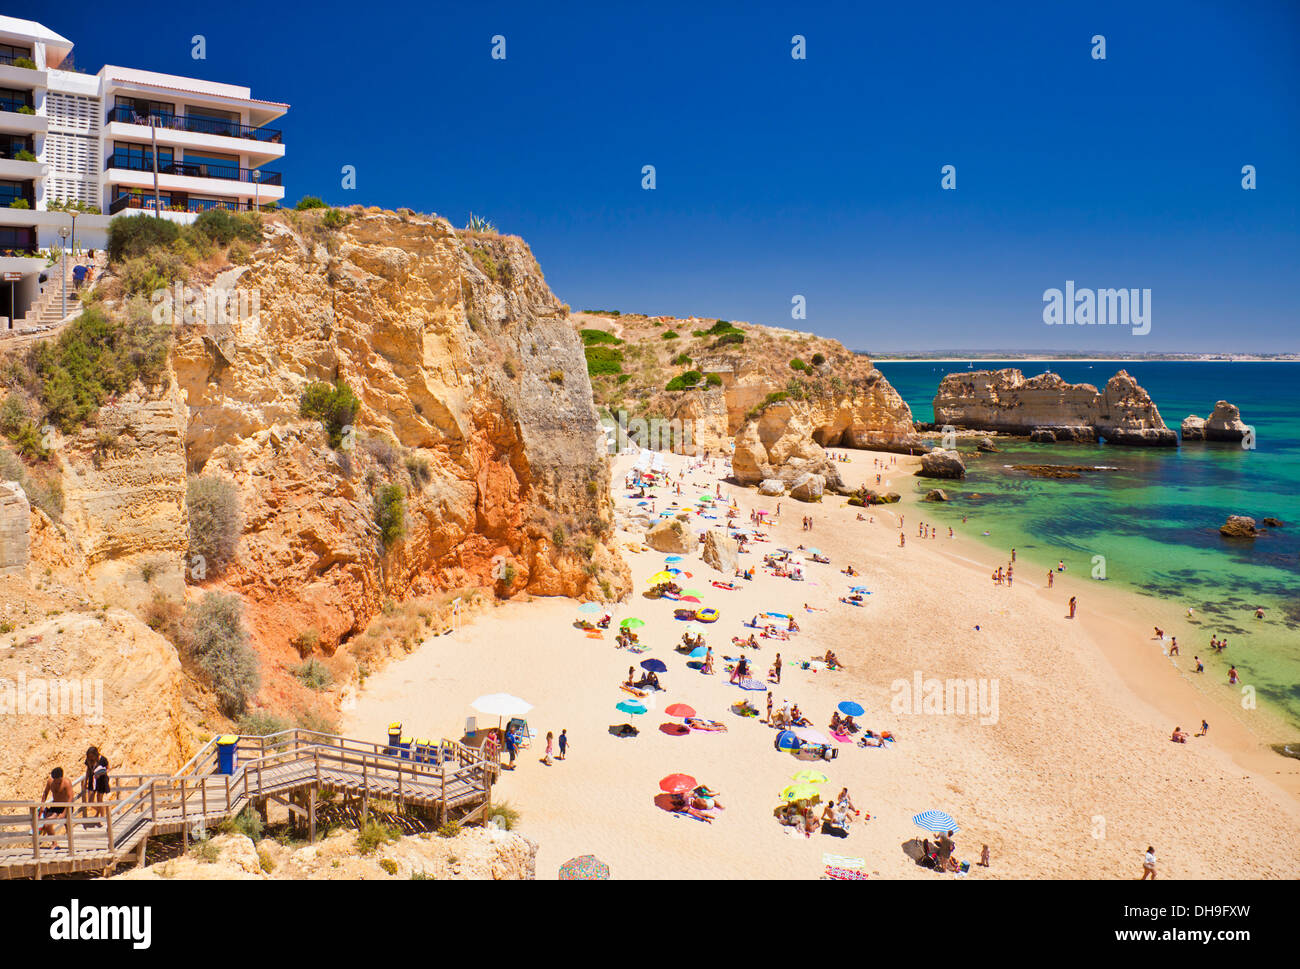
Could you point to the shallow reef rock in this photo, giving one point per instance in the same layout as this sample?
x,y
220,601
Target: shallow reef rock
x,y
942,464
1049,410
1238,526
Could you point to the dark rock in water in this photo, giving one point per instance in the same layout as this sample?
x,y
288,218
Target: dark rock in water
x,y
937,494
986,444
1271,523
1058,470
942,464
892,498
1238,526
1141,437
1042,435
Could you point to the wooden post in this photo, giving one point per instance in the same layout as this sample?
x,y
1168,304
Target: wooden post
x,y
71,848
153,800
139,857
36,837
185,822
311,816
108,821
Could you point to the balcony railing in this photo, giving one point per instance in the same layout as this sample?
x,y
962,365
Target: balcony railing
x,y
199,125
233,173
167,204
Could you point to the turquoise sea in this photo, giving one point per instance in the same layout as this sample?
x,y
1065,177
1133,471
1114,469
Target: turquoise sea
x,y
1156,518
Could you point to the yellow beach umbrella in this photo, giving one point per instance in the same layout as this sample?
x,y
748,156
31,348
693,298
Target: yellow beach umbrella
x,y
800,792
810,777
660,577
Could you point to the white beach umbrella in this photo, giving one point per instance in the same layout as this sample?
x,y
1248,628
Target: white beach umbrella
x,y
501,705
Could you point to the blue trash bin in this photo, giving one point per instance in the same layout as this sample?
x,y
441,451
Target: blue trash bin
x,y
227,748
404,748
394,737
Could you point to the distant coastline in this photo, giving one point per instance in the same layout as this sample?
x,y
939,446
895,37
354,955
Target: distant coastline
x,y
985,356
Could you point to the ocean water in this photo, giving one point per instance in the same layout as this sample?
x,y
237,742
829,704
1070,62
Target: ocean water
x,y
1155,517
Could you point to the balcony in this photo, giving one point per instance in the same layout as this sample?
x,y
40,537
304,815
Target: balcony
x,y
203,126
167,204
139,163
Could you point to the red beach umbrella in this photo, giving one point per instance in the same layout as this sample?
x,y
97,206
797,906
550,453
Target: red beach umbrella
x,y
679,710
678,784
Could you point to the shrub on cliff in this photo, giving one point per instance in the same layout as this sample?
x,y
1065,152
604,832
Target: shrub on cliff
x,y
390,513
310,202
92,359
43,493
603,360
684,381
224,227
713,380
336,407
818,359
137,235
217,642
592,337
215,521
797,364
727,339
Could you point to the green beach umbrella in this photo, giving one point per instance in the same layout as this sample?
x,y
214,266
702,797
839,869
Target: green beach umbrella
x,y
632,623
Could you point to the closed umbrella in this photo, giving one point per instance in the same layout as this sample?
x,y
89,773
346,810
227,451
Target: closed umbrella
x,y
936,822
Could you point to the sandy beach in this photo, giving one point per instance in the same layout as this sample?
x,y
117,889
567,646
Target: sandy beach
x,y
1071,774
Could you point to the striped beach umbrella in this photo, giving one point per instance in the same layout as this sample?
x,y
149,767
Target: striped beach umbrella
x,y
936,822
584,868
632,707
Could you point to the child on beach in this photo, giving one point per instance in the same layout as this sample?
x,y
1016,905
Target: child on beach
x,y
564,743
1149,864
550,742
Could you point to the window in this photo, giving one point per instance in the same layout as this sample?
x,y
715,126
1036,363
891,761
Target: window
x,y
143,108
10,53
211,165
10,191
14,237
11,145
11,100
139,158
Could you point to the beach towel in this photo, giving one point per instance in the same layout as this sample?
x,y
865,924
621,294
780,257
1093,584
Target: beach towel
x,y
842,738
748,683
592,634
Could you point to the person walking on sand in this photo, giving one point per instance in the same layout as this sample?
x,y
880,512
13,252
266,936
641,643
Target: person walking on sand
x,y
1074,602
769,707
564,744
1149,864
550,743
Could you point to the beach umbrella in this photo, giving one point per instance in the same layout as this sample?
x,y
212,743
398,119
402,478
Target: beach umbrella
x,y
671,559
813,551
673,571
632,622
584,868
678,784
501,705
851,709
654,665
936,822
810,736
860,588
699,652
680,710
590,608
810,777
692,592
634,707
800,792
642,504
695,599
660,577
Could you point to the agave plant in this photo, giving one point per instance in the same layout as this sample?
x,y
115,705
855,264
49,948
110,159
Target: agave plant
x,y
480,224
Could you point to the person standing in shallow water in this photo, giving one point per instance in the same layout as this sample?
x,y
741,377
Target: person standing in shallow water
x,y
1050,574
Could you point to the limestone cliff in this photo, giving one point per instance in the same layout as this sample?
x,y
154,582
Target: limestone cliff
x,y
1048,408
474,397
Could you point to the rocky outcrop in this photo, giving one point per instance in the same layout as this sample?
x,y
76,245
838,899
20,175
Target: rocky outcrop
x,y
808,487
986,445
770,487
476,854
942,464
1005,401
669,535
778,444
936,494
1193,428
1225,423
15,527
1238,526
721,552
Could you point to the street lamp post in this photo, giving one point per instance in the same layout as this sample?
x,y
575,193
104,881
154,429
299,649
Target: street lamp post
x,y
63,243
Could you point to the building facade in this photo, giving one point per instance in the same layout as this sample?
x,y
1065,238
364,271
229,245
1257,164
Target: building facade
x,y
119,143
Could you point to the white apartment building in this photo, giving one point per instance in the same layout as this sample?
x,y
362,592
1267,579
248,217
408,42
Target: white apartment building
x,y
119,143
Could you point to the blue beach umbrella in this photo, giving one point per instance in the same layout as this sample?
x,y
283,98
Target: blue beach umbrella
x,y
590,608
654,665
634,707
851,709
785,740
936,822
699,652
860,588
673,558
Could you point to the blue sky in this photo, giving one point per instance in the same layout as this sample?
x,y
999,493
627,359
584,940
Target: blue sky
x,y
818,177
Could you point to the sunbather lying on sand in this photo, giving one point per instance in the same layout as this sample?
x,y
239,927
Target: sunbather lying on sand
x,y
696,723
